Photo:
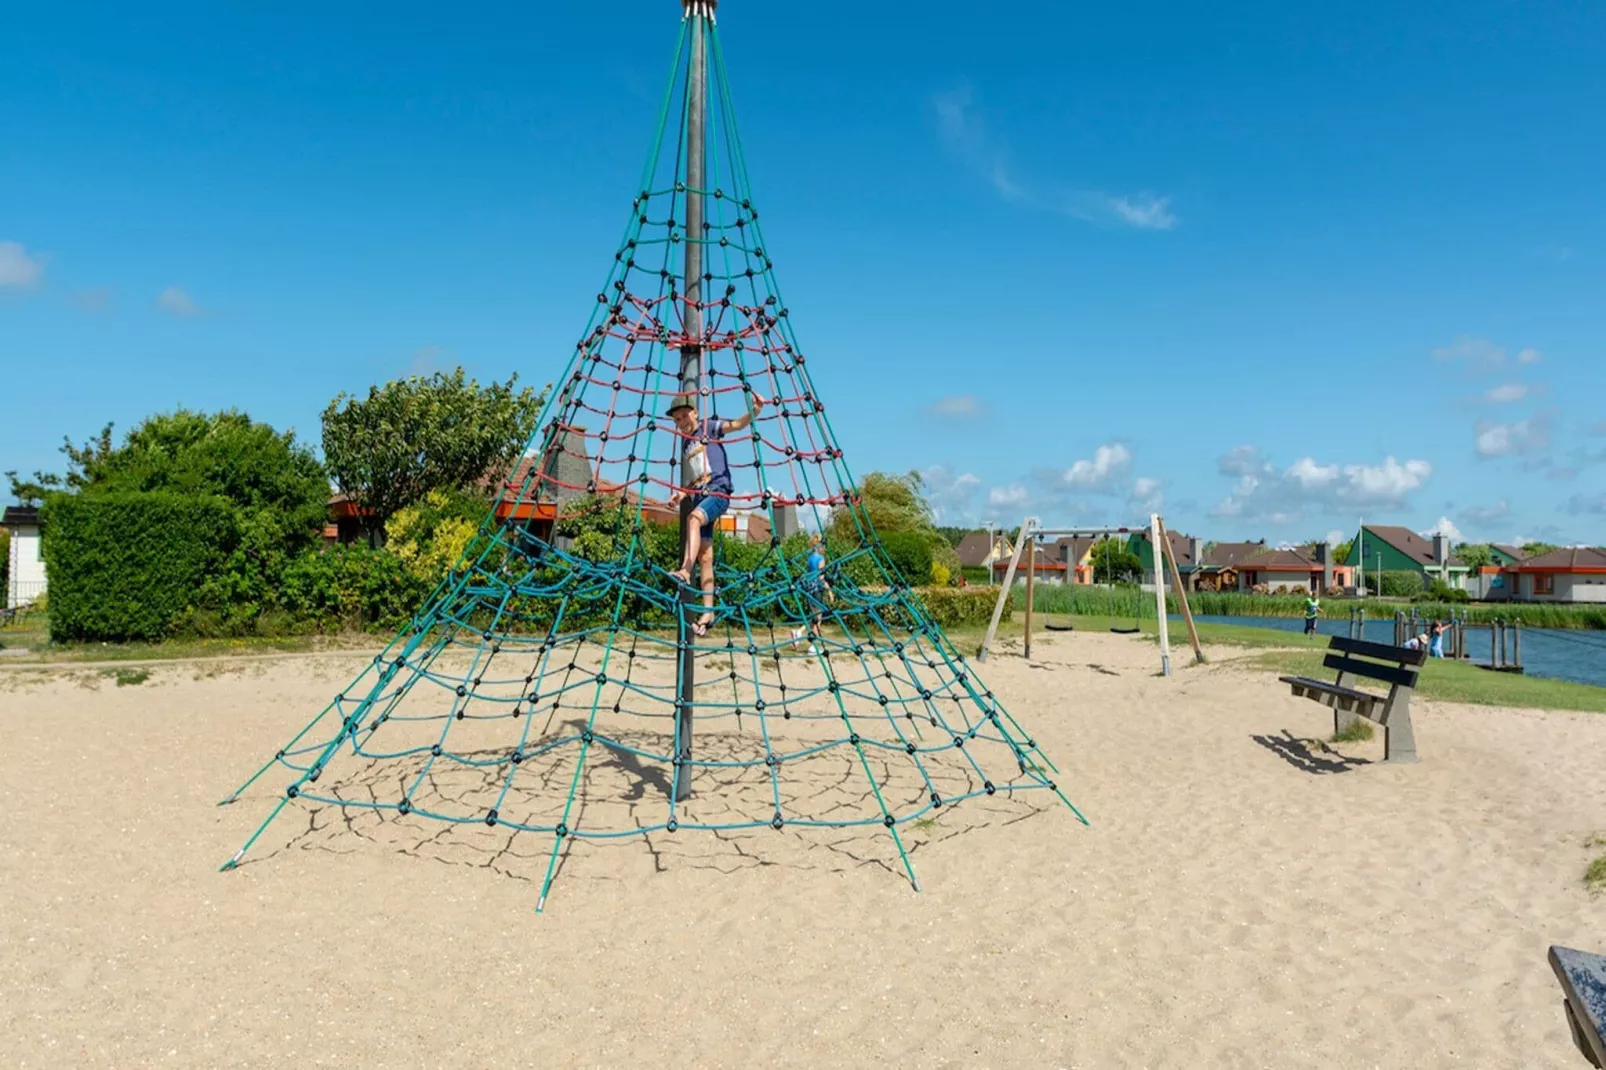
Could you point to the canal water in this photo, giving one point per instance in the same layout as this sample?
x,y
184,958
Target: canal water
x,y
1559,653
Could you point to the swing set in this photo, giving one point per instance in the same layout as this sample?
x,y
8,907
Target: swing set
x,y
1031,530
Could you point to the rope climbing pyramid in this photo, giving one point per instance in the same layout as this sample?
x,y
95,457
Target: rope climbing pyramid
x,y
645,637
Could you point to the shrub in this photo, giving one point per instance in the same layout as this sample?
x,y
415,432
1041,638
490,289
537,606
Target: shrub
x,y
1395,584
351,587
950,607
125,565
940,576
910,553
431,535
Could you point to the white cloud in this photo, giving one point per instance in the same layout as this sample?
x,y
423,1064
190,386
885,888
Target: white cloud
x,y
1507,392
1483,514
1336,536
177,302
17,268
1110,462
1477,354
1013,495
1279,495
957,407
1142,211
1148,496
1443,527
1579,504
1529,355
951,495
963,129
1518,437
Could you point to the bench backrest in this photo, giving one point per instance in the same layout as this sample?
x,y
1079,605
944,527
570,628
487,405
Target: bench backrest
x,y
1392,665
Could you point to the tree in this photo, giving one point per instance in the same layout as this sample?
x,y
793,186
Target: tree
x,y
1340,554
954,535
893,504
414,435
1113,562
1534,549
1476,555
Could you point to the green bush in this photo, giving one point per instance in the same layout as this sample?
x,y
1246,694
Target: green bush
x,y
910,554
953,607
126,565
351,587
1442,592
1396,584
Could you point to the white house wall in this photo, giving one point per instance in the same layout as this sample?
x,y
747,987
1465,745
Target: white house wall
x,y
27,566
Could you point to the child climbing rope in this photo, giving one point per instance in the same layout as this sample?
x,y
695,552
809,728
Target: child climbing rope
x,y
702,449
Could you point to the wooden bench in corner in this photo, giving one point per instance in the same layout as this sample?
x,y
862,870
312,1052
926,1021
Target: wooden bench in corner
x,y
1583,986
1392,665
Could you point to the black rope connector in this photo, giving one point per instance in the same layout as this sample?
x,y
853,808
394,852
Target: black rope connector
x,y
461,690
1052,786
959,741
910,747
562,830
404,808
759,705
602,677
881,699
516,757
315,773
490,818
435,750
936,800
987,785
888,821
831,687
854,739
586,736
672,825
776,822
292,791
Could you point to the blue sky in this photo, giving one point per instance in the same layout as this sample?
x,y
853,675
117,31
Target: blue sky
x,y
1267,267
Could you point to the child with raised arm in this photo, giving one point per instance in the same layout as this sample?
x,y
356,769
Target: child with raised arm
x,y
702,451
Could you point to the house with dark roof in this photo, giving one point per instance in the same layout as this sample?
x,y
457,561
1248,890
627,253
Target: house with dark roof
x,y
1506,554
1218,564
25,559
1571,574
1387,548
979,549
1186,550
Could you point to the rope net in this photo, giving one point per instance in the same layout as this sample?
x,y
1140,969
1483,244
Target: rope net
x,y
557,682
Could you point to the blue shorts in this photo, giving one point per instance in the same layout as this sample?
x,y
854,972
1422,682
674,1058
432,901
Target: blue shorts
x,y
713,507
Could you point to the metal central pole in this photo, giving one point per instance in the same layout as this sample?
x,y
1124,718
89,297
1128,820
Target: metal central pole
x,y
691,366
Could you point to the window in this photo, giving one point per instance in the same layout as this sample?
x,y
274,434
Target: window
x,y
1544,583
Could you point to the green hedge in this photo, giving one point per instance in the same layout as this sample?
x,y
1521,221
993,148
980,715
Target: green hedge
x,y
124,566
910,554
351,587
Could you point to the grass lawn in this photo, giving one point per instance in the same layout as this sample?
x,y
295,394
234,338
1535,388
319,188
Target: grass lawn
x,y
28,643
1293,654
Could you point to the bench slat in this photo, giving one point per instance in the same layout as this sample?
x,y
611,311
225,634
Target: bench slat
x,y
1383,651
1331,688
1389,674
1583,982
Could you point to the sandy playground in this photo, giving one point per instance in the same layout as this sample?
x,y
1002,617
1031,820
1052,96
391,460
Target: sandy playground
x,y
1241,899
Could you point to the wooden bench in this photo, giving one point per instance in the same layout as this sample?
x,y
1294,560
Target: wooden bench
x,y
1583,989
1392,665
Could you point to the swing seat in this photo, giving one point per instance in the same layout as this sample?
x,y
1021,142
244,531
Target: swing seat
x,y
1125,631
1060,627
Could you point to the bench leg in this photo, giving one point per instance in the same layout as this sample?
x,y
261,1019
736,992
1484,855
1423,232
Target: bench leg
x,y
1342,719
1399,742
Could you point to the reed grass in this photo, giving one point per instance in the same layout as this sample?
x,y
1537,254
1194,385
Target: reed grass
x,y
1131,602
